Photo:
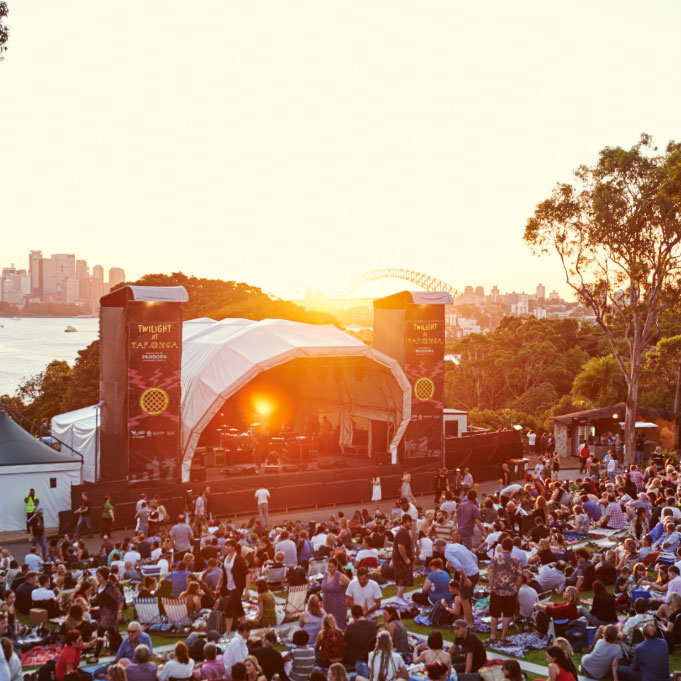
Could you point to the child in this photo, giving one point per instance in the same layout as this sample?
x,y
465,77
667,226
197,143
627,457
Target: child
x,y
581,521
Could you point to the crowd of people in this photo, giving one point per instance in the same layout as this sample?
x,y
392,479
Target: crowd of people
x,y
515,544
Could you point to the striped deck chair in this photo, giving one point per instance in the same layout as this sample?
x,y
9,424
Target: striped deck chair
x,y
147,611
276,576
176,612
295,602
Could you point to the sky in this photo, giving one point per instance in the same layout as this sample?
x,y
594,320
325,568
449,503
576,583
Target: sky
x,y
295,144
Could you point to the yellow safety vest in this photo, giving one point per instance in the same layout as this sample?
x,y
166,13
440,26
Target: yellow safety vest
x,y
31,504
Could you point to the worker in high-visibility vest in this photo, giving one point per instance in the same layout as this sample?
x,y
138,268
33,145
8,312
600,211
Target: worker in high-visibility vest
x,y
31,502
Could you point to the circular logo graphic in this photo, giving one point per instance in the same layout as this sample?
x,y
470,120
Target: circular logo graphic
x,y
424,389
154,401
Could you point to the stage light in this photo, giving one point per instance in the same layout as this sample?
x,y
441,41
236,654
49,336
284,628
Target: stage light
x,y
263,406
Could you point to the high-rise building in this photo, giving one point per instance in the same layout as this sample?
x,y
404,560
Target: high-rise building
x,y
48,279
541,291
34,258
98,273
82,274
554,295
116,276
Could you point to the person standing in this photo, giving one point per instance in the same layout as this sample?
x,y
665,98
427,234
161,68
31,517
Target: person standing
x,y
107,516
440,485
505,578
467,482
403,556
532,442
465,563
142,517
182,535
31,502
200,514
232,583
334,586
83,513
262,496
38,531
376,492
584,453
406,492
467,517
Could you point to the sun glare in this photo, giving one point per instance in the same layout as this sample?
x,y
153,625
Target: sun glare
x,y
263,406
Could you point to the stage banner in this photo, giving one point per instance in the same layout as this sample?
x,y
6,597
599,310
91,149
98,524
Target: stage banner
x,y
424,367
154,364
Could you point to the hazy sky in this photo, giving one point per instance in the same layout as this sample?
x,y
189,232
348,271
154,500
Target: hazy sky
x,y
289,144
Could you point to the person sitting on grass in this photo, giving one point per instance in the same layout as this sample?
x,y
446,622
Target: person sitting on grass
x,y
568,609
561,667
598,663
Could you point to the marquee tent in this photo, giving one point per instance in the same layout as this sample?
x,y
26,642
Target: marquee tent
x,y
78,430
221,357
26,462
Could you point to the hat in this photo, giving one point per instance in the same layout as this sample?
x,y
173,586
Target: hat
x,y
460,623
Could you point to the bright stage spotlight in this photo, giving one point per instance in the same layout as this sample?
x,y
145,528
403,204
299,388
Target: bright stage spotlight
x,y
263,406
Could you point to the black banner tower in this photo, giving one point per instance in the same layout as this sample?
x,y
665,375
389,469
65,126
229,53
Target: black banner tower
x,y
139,383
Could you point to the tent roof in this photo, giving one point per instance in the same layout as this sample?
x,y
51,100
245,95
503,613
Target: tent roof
x,y
150,294
219,358
401,299
649,413
20,448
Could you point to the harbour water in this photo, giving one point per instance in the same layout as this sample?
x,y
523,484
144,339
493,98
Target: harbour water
x,y
29,344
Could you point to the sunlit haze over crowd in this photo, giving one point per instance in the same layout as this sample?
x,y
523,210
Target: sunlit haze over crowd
x,y
296,144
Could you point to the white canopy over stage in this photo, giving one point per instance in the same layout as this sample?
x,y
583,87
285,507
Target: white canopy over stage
x,y
219,358
333,370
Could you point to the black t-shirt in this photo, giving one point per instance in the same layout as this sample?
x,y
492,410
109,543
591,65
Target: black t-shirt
x,y
38,525
360,638
271,662
402,537
539,532
474,645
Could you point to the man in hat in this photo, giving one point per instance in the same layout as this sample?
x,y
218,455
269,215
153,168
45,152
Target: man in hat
x,y
473,648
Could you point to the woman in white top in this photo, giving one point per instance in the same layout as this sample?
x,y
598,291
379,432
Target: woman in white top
x,y
384,663
180,667
376,492
406,492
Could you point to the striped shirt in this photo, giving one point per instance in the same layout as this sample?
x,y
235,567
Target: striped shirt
x,y
302,663
443,531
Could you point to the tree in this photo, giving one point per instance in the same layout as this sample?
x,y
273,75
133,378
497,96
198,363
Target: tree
x,y
617,232
600,382
4,31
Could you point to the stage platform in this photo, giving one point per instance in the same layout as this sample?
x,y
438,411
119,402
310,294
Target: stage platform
x,y
233,491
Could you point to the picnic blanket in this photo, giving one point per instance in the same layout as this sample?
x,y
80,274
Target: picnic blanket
x,y
39,655
519,644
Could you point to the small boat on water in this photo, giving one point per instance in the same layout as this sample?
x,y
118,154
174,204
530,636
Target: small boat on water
x,y
70,329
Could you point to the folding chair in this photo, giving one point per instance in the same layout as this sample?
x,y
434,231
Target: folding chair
x,y
276,576
295,602
147,611
176,612
316,567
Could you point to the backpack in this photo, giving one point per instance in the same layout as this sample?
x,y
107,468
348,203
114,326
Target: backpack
x,y
439,617
576,634
216,622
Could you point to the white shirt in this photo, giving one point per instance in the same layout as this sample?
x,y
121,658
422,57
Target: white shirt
x,y
612,464
133,556
118,565
138,505
674,587
178,670
42,594
235,652
228,570
290,552
531,439
520,555
366,553
163,564
413,512
318,540
33,560
425,548
391,671
527,597
365,596
156,554
262,495
200,506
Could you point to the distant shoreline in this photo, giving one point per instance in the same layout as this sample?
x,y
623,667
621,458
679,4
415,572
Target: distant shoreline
x,y
48,316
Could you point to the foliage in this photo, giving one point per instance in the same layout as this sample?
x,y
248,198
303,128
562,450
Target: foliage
x,y
501,419
523,363
83,389
219,299
4,31
600,382
617,232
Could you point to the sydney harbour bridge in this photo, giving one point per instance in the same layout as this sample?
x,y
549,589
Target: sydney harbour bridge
x,y
425,281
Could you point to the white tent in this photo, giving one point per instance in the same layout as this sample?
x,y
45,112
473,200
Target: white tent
x,y
219,358
78,430
27,463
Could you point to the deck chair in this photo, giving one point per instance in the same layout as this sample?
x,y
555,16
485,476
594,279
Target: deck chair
x,y
176,612
276,576
295,602
316,567
147,611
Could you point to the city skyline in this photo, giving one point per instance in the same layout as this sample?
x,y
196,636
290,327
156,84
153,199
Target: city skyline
x,y
292,145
